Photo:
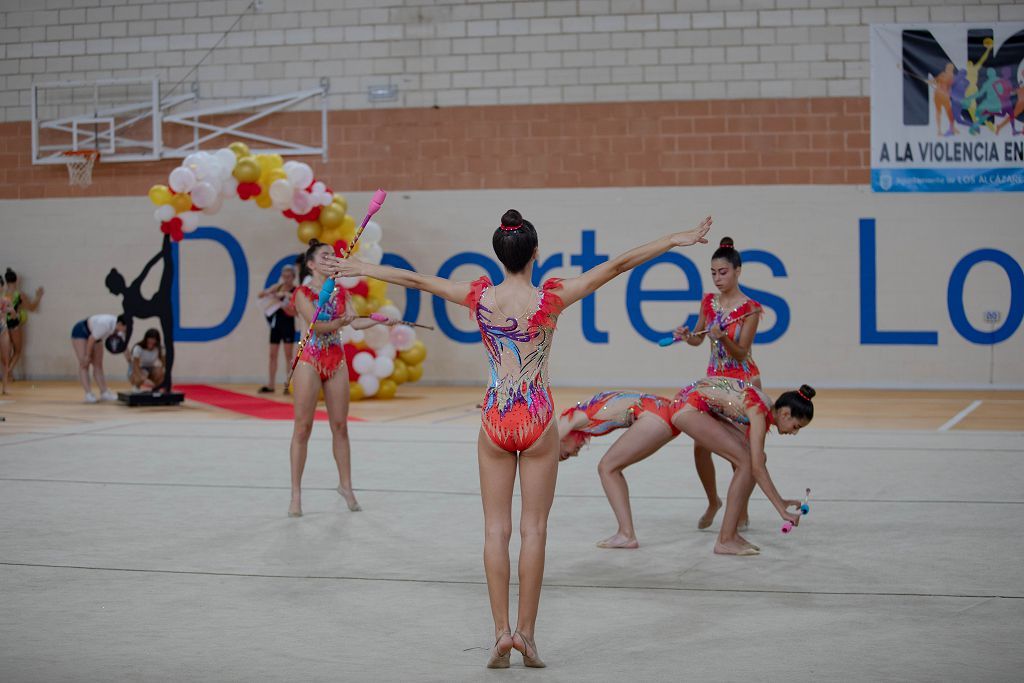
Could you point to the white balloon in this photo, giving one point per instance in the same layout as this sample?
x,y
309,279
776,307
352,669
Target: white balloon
x,y
371,233
192,160
300,174
181,180
391,312
357,336
346,282
326,198
403,337
370,385
319,188
281,192
207,168
383,366
346,334
164,213
203,194
214,206
229,187
376,336
370,253
362,362
190,220
227,160
301,202
387,351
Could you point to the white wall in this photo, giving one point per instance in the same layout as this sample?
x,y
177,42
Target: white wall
x,y
452,53
68,245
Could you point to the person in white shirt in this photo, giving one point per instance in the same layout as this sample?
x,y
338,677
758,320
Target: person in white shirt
x,y
88,337
146,362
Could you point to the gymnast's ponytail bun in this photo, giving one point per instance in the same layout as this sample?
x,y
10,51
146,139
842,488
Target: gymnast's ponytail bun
x,y
799,402
727,251
514,241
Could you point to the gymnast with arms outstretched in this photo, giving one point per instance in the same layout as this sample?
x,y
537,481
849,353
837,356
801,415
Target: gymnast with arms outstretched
x,y
517,323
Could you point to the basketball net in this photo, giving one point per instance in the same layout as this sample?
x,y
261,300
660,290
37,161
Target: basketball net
x,y
80,165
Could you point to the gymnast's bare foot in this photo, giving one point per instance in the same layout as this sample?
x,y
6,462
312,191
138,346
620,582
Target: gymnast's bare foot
x,y
350,499
747,543
734,547
619,542
709,515
295,509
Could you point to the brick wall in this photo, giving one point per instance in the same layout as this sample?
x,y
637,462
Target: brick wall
x,y
718,142
450,53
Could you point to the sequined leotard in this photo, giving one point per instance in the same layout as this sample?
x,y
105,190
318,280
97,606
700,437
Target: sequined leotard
x,y
725,398
324,352
518,406
721,364
611,410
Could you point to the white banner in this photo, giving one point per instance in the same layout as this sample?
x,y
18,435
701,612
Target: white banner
x,y
947,107
860,289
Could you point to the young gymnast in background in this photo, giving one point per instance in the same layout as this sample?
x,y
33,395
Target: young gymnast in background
x,y
322,366
732,418
517,323
730,319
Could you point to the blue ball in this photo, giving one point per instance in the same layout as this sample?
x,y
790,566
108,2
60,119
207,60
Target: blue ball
x,y
805,508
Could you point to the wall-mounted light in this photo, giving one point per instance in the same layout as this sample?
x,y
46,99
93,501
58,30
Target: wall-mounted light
x,y
382,93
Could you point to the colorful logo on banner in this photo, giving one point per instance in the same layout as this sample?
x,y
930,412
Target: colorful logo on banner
x,y
947,107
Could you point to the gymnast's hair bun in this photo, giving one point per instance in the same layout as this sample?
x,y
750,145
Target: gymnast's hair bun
x,y
807,391
726,243
511,219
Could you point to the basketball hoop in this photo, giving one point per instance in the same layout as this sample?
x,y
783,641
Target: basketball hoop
x,y
80,163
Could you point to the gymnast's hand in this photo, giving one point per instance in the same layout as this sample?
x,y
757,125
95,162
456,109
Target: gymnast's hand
x,y
716,332
347,317
790,503
685,239
791,517
682,333
344,267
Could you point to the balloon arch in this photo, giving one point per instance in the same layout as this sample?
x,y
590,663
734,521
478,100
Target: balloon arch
x,y
379,358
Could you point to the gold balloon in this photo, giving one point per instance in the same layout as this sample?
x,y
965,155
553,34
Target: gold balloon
x,y
376,289
240,149
401,372
247,170
309,230
181,202
415,372
330,235
341,203
360,305
269,176
355,391
160,195
269,161
415,355
348,227
373,303
332,217
263,201
387,389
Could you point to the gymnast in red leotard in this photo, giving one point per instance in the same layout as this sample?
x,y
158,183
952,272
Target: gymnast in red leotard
x,y
517,323
321,367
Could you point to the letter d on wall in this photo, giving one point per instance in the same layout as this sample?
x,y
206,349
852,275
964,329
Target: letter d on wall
x,y
241,288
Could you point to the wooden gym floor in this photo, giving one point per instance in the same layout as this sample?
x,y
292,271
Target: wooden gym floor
x,y
31,406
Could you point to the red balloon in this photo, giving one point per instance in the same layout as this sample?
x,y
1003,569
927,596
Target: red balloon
x,y
288,213
350,352
362,289
313,214
173,228
248,190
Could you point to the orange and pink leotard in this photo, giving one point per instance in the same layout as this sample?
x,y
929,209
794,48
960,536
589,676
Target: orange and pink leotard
x,y
721,364
611,410
518,406
325,352
725,398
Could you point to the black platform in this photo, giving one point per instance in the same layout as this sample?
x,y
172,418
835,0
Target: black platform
x,y
146,398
